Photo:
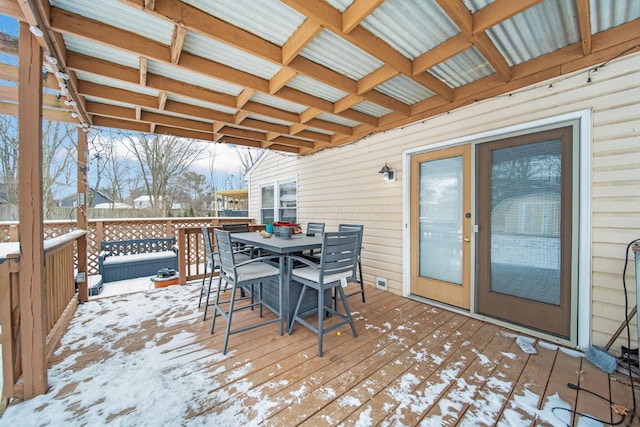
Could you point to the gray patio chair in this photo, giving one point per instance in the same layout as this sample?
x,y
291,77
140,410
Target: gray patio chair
x,y
212,261
242,227
338,259
245,275
358,278
313,228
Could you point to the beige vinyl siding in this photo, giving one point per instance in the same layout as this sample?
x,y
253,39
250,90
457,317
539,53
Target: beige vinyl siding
x,y
342,184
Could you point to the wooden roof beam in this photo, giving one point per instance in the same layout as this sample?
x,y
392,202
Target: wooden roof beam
x,y
299,39
461,16
584,21
143,71
499,11
331,18
177,42
357,12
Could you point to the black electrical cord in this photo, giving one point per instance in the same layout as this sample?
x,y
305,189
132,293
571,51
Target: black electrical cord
x,y
571,411
626,311
633,393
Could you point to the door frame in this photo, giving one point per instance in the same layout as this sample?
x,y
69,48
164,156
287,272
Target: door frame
x,y
582,120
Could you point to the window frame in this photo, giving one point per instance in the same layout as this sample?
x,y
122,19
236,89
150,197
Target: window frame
x,y
276,185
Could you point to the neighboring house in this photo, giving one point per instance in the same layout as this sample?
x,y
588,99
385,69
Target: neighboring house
x,y
516,209
3,197
144,202
95,196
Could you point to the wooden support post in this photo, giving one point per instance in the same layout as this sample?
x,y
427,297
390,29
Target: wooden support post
x,y
182,256
32,269
81,215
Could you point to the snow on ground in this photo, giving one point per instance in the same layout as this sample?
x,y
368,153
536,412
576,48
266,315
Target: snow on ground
x,y
154,385
151,386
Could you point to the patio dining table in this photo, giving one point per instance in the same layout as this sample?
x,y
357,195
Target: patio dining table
x,y
283,247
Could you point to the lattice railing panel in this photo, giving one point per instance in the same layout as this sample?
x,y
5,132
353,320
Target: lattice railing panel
x,y
125,229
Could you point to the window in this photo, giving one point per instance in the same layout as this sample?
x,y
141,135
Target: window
x,y
266,210
279,202
288,201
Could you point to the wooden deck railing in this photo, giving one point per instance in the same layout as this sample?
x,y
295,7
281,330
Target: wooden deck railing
x,y
119,229
60,304
191,256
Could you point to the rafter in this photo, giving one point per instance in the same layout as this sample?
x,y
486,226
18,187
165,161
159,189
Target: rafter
x,y
357,12
584,21
298,40
177,42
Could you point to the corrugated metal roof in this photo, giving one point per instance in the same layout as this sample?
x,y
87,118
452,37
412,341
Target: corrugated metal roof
x,y
191,77
404,89
269,19
339,55
609,14
316,88
280,103
201,103
97,50
513,36
107,101
231,64
465,67
337,119
119,15
371,109
323,131
222,53
411,27
269,119
118,84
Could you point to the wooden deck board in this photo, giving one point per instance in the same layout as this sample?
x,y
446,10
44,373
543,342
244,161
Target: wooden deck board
x,y
411,363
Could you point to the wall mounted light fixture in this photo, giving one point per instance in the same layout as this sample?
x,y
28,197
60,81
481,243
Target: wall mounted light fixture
x,y
388,174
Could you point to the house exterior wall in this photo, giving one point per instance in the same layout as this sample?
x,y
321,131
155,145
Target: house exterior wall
x,y
341,185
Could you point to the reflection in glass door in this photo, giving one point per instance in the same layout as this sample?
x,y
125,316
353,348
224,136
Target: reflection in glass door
x,y
440,226
525,230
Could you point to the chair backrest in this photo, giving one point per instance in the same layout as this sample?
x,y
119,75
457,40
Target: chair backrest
x,y
353,227
339,256
208,248
236,228
315,228
225,252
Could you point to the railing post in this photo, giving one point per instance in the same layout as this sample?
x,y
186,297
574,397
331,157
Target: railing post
x,y
182,256
33,303
81,221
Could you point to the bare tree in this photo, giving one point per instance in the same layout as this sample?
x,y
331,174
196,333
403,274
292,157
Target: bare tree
x,y
162,158
112,168
247,158
9,158
59,148
58,160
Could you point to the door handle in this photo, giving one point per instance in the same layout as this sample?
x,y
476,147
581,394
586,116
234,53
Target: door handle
x,y
467,239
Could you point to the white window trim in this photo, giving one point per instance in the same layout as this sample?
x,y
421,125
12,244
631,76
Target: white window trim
x,y
585,118
276,195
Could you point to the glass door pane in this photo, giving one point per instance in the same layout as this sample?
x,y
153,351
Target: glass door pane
x,y
525,221
440,220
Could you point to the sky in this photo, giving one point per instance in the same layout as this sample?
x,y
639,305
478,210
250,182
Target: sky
x,y
158,383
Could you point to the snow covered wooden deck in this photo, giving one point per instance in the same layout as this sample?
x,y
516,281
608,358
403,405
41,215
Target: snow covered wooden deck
x,y
148,359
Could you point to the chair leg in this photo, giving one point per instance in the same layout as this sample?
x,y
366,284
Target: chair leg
x,y
206,304
361,279
347,311
216,305
204,276
320,320
229,316
295,313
